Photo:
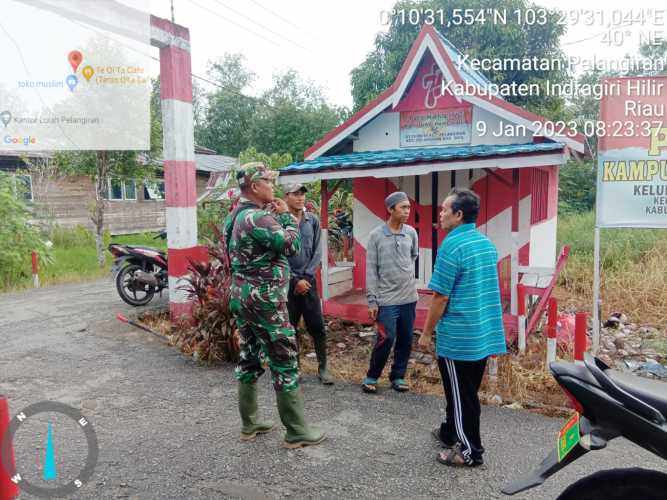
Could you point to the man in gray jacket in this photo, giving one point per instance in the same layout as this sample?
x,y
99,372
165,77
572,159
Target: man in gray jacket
x,y
302,299
392,292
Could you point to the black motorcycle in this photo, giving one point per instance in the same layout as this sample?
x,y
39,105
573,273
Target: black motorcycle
x,y
608,404
139,272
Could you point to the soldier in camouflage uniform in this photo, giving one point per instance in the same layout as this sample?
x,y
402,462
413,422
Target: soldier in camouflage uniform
x,y
261,234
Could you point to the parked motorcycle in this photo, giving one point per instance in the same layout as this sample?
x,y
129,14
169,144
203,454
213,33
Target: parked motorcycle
x,y
608,404
139,272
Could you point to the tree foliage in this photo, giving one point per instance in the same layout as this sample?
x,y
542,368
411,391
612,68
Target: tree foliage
x,y
287,118
293,115
229,112
274,160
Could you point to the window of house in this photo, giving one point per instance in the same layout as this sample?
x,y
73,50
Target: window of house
x,y
24,186
115,189
154,190
130,189
121,189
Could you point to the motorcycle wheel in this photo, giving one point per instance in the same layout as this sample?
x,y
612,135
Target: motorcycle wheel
x,y
619,484
133,293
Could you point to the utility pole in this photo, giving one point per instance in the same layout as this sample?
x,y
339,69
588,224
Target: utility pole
x,y
172,11
178,137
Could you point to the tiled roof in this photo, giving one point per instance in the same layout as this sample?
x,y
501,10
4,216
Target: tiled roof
x,y
395,157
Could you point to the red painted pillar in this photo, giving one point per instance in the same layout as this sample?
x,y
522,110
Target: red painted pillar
x,y
179,161
552,317
580,336
551,331
35,268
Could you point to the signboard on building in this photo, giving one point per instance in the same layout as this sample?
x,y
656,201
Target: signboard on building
x,y
632,154
436,127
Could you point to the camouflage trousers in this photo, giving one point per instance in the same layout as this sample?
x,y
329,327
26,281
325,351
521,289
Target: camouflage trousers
x,y
266,335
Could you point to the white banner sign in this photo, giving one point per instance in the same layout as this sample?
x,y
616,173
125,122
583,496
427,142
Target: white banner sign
x,y
632,155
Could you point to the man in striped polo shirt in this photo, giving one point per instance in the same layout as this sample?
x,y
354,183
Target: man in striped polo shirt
x,y
466,308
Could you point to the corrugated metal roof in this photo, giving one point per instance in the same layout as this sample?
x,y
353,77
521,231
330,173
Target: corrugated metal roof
x,y
204,162
394,157
27,154
215,163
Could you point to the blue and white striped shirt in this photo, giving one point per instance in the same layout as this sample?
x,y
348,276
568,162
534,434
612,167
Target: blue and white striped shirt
x,y
465,271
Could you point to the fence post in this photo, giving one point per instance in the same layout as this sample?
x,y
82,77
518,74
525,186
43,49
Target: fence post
x,y
8,489
35,269
521,298
551,331
346,247
580,337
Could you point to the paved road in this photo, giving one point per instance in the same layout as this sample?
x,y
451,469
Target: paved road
x,y
168,427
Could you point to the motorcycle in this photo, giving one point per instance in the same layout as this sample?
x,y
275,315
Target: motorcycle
x,y
608,404
139,272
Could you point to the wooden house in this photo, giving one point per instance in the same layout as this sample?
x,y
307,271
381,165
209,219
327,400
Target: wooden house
x,y
133,206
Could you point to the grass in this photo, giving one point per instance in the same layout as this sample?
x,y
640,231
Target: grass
x,y
74,259
633,280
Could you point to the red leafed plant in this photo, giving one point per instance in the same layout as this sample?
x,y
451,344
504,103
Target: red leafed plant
x,y
213,334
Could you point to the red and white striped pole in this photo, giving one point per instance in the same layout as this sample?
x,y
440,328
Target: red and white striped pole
x,y
551,331
521,298
580,337
35,269
179,157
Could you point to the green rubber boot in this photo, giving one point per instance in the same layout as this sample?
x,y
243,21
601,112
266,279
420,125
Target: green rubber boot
x,y
321,352
248,410
299,433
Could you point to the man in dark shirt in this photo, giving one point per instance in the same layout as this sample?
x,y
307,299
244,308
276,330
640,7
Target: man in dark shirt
x,y
302,299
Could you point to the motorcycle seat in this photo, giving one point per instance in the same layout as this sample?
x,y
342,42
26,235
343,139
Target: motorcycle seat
x,y
652,392
150,249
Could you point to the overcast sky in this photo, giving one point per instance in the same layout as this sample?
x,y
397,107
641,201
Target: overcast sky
x,y
325,40
322,39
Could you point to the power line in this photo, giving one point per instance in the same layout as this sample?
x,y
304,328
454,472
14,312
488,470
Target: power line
x,y
198,77
262,25
193,75
281,18
598,34
233,22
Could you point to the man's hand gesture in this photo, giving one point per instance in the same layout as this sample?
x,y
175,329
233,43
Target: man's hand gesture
x,y
424,342
301,287
279,206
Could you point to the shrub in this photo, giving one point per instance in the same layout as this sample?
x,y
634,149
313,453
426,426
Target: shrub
x,y
18,237
577,187
213,334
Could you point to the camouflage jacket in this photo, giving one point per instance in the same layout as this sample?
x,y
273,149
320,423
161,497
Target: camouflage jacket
x,y
260,244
